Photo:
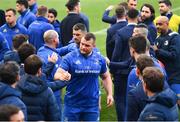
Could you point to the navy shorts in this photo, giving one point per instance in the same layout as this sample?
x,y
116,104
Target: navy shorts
x,y
80,113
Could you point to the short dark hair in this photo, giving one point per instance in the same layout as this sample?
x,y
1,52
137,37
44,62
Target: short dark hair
x,y
32,61
138,43
125,4
128,0
52,11
11,9
144,61
154,79
80,26
26,50
151,8
23,2
42,11
120,11
89,36
71,4
167,2
18,40
9,72
133,13
6,111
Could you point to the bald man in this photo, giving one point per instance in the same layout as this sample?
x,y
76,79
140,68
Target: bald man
x,y
165,10
168,52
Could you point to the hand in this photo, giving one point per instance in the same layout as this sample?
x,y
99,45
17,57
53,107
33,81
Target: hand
x,y
61,74
154,47
53,58
109,8
110,100
107,60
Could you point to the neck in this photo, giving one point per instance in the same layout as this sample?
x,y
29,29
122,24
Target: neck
x,y
51,46
12,24
150,94
164,32
132,21
136,55
121,19
14,85
73,11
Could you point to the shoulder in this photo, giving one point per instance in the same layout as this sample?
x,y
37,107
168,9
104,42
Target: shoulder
x,y
173,34
72,55
176,17
3,26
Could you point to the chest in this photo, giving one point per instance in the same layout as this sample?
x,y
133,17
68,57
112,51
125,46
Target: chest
x,y
86,66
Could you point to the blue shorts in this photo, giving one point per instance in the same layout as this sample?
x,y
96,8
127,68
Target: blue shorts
x,y
176,89
80,113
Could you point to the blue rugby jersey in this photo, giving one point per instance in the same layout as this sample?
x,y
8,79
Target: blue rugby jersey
x,y
26,18
10,32
83,88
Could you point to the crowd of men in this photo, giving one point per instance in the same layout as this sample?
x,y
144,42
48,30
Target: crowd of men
x,y
40,55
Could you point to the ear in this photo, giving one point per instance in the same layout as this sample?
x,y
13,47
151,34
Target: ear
x,y
144,87
39,73
94,45
18,77
132,51
137,72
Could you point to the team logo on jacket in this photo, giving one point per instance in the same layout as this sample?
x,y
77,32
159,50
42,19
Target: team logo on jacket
x,y
56,65
17,30
5,30
78,62
166,43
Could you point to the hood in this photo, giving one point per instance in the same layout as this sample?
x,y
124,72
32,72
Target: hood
x,y
7,91
30,84
167,98
11,56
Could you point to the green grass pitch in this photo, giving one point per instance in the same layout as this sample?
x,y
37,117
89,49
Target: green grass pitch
x,y
94,10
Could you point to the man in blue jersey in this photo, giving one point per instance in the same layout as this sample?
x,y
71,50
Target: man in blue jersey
x,y
79,30
52,18
26,17
82,92
37,29
12,28
51,42
4,47
33,6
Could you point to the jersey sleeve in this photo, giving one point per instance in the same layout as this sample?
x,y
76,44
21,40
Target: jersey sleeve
x,y
65,64
104,66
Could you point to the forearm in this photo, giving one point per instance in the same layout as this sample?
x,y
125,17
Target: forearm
x,y
107,83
